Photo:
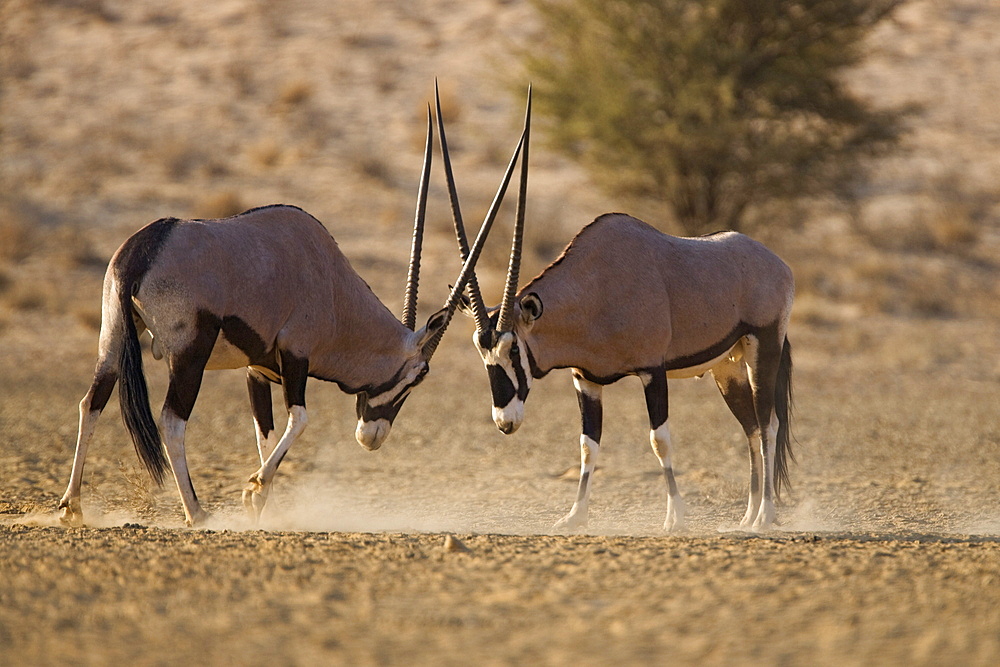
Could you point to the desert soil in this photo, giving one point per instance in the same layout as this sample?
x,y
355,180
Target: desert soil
x,y
438,548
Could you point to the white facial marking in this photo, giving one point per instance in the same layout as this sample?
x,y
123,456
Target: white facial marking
x,y
508,418
371,435
400,390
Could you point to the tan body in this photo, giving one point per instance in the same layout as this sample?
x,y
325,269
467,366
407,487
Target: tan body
x,y
626,299
267,290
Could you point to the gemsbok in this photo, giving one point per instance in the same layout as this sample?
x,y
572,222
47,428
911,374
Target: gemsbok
x,y
268,290
625,299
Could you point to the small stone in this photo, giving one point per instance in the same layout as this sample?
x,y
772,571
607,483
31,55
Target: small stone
x,y
452,543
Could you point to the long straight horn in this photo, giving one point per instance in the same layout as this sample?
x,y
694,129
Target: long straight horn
x,y
477,250
504,321
409,318
479,311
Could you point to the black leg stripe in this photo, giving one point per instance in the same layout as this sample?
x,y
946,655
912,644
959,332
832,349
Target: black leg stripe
x,y
656,397
592,415
294,373
260,402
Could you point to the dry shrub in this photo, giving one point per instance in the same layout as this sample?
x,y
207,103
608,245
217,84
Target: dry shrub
x,y
180,158
370,164
89,315
451,111
33,296
71,248
295,93
18,233
219,205
265,153
241,73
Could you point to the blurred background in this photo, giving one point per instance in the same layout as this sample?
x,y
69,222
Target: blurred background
x,y
859,140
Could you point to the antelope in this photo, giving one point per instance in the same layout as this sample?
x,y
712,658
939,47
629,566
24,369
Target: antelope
x,y
625,299
270,291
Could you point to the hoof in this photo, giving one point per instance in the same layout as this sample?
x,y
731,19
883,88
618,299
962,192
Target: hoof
x,y
675,516
197,519
72,513
571,522
254,498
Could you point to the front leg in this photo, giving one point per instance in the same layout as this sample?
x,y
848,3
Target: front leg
x,y
589,396
294,372
259,388
655,386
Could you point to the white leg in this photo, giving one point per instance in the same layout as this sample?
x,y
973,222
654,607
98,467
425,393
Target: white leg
x,y
756,480
265,444
258,486
589,396
72,509
659,438
577,517
173,438
766,513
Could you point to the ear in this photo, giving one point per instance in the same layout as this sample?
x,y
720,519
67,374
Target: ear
x,y
465,305
435,323
531,309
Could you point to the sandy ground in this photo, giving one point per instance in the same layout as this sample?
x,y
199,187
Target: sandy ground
x,y
888,549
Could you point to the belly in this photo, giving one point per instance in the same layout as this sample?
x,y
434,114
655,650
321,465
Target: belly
x,y
735,353
226,355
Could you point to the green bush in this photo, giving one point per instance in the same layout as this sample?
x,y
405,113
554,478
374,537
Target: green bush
x,y
706,107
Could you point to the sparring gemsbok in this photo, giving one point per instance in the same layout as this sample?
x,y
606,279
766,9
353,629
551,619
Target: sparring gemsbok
x,y
625,299
268,290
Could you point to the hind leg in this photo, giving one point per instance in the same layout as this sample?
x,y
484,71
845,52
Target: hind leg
x,y
734,383
763,357
186,371
655,387
90,409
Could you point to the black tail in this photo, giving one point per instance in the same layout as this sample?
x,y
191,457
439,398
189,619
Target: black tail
x,y
783,408
131,263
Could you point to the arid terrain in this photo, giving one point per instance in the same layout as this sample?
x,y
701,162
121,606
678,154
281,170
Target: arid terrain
x,y
438,548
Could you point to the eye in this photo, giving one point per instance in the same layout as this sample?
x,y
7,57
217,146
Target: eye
x,y
514,349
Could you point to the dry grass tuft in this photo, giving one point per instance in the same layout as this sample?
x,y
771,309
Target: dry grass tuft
x,y
295,93
266,153
18,233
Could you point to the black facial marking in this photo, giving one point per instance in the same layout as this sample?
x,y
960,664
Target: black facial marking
x,y
501,386
487,338
522,381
